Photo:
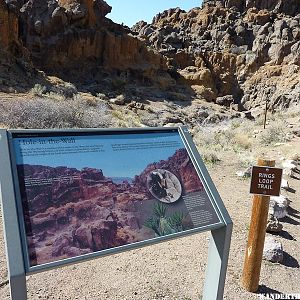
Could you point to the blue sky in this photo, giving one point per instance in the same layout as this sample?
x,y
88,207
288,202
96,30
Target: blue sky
x,y
131,11
112,163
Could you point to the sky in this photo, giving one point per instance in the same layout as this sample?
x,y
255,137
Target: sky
x,y
122,163
131,11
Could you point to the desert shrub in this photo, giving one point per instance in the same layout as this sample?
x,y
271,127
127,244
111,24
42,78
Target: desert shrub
x,y
247,126
236,123
55,96
275,133
126,119
210,156
242,140
214,139
38,90
48,113
246,159
102,96
92,102
65,89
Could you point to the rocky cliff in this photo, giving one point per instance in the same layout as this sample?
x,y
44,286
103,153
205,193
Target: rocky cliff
x,y
73,37
233,51
236,53
9,28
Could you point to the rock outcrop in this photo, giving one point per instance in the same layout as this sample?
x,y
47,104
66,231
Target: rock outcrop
x,y
73,38
237,53
9,29
246,49
277,6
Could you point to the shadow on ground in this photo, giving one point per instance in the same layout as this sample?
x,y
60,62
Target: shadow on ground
x,y
284,234
289,261
262,289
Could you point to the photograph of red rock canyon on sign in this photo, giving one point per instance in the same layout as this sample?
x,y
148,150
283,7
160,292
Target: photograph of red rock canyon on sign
x,y
71,211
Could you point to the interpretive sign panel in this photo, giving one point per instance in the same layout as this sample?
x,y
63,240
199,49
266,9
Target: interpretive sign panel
x,y
266,181
72,195
86,193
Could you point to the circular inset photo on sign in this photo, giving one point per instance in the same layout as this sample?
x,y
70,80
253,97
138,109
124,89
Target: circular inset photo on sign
x,y
164,186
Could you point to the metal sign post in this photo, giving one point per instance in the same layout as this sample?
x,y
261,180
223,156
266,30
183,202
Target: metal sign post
x,y
40,168
15,261
220,239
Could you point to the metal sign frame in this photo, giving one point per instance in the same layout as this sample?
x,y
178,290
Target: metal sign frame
x,y
14,230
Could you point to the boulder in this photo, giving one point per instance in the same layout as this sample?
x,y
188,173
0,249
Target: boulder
x,y
273,224
273,250
83,237
225,100
278,206
61,243
245,173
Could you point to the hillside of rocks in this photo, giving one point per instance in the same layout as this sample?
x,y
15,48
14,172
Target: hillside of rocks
x,y
232,51
73,40
237,54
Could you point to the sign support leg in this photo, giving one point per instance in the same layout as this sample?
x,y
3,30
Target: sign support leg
x,y
15,261
218,253
18,290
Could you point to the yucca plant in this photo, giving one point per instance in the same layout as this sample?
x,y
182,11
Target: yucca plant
x,y
164,227
160,210
153,223
175,221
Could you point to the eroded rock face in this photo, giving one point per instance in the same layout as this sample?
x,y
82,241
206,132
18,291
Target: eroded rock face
x,y
92,11
67,35
9,28
279,6
246,49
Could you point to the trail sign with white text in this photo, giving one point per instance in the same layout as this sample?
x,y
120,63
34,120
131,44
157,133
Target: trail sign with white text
x,y
266,181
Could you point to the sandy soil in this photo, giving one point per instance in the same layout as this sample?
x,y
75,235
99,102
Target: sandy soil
x,y
176,269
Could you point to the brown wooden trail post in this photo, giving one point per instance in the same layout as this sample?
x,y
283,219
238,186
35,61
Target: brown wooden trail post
x,y
256,238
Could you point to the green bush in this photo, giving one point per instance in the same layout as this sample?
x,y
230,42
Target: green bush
x,y
38,90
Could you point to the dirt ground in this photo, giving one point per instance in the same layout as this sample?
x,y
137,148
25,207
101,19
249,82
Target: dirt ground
x,y
175,270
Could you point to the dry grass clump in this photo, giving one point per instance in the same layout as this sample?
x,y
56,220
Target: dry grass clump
x,y
227,139
50,113
217,140
274,133
38,90
246,159
59,91
126,119
210,156
102,96
242,141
